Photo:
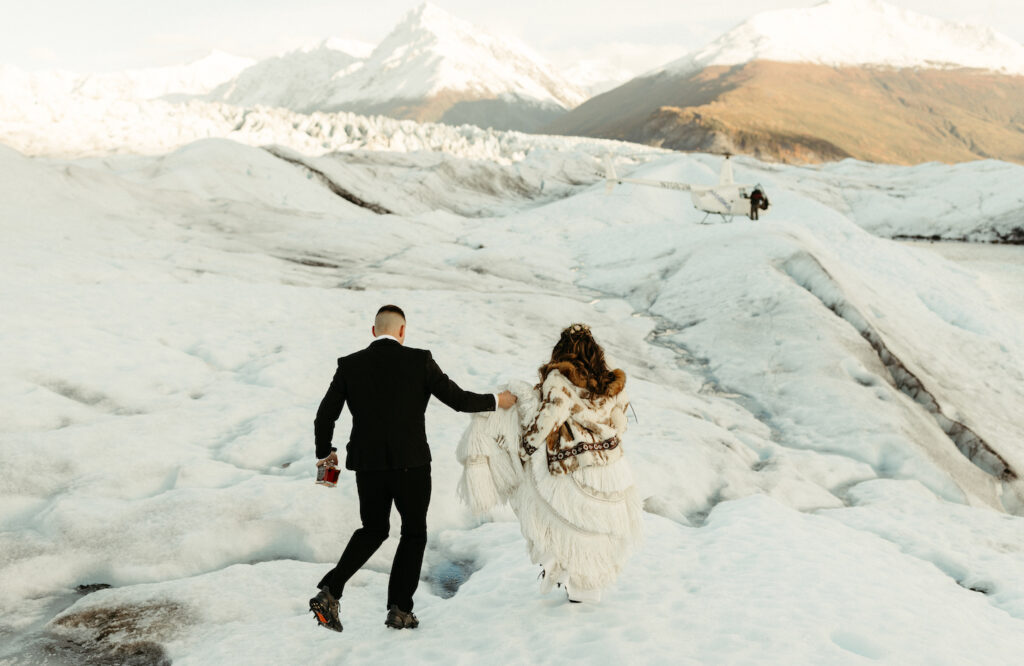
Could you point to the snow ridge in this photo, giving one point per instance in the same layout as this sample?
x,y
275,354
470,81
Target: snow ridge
x,y
858,32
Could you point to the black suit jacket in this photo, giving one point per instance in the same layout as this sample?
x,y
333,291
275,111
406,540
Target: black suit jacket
x,y
387,387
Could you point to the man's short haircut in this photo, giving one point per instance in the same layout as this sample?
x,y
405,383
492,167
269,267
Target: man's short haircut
x,y
389,320
392,308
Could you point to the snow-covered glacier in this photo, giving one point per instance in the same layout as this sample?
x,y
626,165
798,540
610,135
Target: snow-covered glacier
x,y
974,201
826,433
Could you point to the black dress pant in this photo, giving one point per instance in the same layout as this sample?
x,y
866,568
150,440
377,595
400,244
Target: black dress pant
x,y
409,490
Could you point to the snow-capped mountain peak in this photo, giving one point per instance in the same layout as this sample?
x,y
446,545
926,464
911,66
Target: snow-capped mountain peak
x,y
429,18
353,47
294,78
432,66
431,51
859,32
194,78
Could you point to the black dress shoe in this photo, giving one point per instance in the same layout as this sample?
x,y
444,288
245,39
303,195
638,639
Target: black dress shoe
x,y
399,619
325,607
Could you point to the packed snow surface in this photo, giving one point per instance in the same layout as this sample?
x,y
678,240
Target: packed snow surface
x,y
978,201
172,321
858,32
1000,267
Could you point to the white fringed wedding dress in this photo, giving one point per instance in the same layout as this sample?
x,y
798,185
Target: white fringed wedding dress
x,y
558,460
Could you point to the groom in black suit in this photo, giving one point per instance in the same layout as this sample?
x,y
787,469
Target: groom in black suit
x,y
387,387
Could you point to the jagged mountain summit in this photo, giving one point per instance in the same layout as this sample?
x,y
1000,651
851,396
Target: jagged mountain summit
x,y
354,47
846,78
858,32
431,67
436,67
292,80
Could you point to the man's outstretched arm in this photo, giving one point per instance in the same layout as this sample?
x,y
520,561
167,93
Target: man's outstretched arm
x,y
448,392
327,414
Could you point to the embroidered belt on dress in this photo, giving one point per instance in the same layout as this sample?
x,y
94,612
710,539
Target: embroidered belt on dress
x,y
583,447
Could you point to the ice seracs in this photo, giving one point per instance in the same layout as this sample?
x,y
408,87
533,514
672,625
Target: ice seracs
x,y
858,32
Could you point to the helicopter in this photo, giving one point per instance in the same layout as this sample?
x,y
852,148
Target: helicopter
x,y
726,199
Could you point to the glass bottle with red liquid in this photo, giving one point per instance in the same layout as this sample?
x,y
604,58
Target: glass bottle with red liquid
x,y
327,474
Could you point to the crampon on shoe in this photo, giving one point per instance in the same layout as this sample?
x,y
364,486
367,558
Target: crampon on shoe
x,y
399,619
325,607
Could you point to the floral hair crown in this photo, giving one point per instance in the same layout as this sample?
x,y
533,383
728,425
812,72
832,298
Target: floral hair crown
x,y
578,328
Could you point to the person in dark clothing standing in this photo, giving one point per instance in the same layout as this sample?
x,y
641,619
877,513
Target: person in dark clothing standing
x,y
756,198
387,387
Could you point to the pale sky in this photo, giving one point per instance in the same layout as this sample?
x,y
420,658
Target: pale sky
x,y
100,35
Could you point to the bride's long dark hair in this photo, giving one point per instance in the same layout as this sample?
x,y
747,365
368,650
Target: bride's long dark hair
x,y
578,356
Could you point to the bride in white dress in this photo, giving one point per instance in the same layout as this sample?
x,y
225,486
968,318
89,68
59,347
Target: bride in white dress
x,y
558,459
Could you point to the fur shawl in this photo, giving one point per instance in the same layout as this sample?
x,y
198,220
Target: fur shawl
x,y
580,378
576,427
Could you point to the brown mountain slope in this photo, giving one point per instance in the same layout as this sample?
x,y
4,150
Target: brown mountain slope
x,y
457,108
796,112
